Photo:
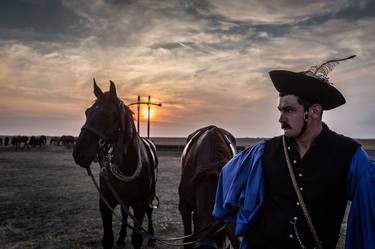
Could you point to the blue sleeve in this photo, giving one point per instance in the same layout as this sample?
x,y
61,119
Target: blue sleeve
x,y
241,186
360,233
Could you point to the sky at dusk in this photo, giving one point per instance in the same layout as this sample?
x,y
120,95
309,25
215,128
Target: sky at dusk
x,y
206,61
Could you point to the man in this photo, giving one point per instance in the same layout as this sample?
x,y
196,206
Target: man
x,y
256,189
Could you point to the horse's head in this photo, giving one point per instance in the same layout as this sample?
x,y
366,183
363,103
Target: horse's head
x,y
107,120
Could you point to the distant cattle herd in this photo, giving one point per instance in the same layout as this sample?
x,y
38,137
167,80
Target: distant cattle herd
x,y
25,142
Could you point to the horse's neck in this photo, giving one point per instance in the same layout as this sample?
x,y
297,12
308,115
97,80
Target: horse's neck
x,y
131,155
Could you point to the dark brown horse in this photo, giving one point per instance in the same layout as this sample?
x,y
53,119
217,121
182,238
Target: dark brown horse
x,y
109,132
206,152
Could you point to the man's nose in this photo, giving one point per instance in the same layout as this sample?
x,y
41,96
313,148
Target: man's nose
x,y
282,117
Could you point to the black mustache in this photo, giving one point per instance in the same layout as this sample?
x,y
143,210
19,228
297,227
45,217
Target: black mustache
x,y
285,125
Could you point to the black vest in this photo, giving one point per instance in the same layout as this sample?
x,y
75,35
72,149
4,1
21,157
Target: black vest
x,y
321,175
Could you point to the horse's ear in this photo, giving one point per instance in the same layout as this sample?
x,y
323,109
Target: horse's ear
x,y
97,91
112,89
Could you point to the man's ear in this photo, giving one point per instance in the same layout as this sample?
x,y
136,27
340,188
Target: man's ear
x,y
316,111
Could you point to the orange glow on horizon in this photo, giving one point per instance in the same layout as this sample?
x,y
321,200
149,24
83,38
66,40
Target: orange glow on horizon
x,y
145,113
156,113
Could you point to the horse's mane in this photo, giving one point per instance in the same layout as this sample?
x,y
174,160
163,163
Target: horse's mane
x,y
128,133
131,131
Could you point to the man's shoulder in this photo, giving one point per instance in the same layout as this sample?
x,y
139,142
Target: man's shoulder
x,y
343,140
248,155
273,142
276,139
255,148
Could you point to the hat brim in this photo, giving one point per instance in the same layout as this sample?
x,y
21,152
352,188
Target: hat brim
x,y
310,88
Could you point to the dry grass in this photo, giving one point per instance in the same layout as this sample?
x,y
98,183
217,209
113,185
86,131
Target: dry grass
x,y
46,201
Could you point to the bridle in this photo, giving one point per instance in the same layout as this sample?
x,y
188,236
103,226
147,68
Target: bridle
x,y
116,150
104,136
104,158
92,129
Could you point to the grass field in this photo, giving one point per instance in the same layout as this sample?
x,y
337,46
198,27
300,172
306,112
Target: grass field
x,y
46,201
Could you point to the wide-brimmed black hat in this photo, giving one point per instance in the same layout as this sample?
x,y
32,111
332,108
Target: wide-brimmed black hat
x,y
307,87
312,85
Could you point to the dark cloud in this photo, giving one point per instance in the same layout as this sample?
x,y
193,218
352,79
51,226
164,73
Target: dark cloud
x,y
27,20
361,9
196,7
120,2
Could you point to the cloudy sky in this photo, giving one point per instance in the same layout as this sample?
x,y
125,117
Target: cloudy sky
x,y
206,61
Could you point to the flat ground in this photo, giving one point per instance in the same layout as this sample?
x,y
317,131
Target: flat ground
x,y
46,201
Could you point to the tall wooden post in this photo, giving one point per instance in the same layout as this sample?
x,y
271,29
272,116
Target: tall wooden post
x,y
148,116
148,103
138,110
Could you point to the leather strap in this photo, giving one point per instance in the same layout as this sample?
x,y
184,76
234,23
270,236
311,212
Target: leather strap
x,y
300,199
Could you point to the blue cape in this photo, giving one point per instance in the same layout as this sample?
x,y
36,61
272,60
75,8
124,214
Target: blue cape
x,y
360,232
241,186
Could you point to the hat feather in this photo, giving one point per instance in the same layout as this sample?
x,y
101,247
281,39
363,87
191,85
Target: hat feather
x,y
323,70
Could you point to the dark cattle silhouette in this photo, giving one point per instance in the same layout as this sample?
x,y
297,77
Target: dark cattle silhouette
x,y
37,141
206,152
54,140
66,140
19,142
6,141
109,124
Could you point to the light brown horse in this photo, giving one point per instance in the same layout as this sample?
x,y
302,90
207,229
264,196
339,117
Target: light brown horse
x,y
206,152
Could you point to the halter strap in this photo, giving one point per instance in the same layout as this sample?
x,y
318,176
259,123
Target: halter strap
x,y
121,176
95,131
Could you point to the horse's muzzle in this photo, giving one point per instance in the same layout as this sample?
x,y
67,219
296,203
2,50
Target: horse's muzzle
x,y
81,160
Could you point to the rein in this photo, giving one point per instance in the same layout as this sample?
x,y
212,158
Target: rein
x,y
138,228
124,178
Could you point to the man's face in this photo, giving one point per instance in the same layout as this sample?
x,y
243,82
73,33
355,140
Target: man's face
x,y
291,115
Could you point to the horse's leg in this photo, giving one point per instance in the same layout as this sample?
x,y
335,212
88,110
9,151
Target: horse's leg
x,y
186,221
123,231
229,231
205,199
106,213
151,242
139,213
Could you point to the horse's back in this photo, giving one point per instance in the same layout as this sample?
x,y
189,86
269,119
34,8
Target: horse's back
x,y
150,149
206,153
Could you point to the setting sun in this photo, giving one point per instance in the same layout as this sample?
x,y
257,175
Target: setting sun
x,y
145,113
